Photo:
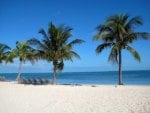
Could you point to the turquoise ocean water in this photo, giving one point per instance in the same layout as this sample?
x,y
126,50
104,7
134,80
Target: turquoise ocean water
x,y
108,77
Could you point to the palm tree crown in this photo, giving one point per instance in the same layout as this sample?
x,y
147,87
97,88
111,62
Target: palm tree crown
x,y
118,33
54,46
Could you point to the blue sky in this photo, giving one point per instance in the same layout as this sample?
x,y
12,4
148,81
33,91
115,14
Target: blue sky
x,y
21,20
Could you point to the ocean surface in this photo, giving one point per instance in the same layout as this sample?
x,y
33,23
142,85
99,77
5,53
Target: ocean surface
x,y
107,77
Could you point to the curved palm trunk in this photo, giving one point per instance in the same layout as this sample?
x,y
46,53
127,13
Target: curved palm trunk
x,y
53,82
120,68
19,72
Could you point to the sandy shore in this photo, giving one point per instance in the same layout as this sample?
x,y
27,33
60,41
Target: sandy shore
x,y
17,98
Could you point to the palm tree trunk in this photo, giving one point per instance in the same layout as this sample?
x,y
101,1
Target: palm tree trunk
x,y
120,68
53,82
19,72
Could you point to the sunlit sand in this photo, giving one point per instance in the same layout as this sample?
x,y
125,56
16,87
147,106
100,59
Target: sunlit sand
x,y
19,98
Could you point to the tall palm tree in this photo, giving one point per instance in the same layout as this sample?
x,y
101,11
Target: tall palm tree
x,y
4,51
118,33
24,52
54,47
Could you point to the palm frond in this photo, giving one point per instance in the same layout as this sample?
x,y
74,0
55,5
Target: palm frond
x,y
76,41
134,22
41,31
134,53
106,37
4,51
74,54
4,47
101,47
11,55
113,54
130,37
37,43
69,55
124,18
142,35
60,65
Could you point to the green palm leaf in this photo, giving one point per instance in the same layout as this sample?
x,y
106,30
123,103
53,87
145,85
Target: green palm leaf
x,y
113,54
74,42
101,47
134,53
4,51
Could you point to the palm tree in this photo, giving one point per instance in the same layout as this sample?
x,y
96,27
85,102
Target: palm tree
x,y
24,52
4,51
118,33
54,47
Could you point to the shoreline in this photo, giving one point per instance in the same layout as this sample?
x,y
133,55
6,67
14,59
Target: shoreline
x,y
63,84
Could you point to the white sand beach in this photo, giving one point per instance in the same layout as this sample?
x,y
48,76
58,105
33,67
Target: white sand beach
x,y
19,98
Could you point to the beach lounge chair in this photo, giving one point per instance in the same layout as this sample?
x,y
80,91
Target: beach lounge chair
x,y
29,81
2,78
26,81
34,81
44,81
